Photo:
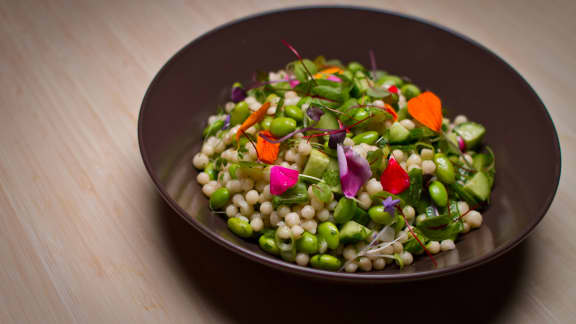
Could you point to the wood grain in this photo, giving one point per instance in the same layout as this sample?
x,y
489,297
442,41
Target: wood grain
x,y
86,239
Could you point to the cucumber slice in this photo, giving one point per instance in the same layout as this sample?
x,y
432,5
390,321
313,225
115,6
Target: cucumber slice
x,y
472,133
398,133
317,164
479,186
328,121
353,232
345,210
239,113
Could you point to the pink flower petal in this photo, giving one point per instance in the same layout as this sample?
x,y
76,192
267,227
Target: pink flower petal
x,y
281,179
294,82
334,78
354,170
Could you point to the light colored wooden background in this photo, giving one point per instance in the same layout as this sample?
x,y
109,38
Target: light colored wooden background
x,y
84,237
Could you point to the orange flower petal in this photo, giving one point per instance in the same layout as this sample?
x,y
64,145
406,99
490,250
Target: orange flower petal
x,y
426,108
391,110
267,152
254,118
325,72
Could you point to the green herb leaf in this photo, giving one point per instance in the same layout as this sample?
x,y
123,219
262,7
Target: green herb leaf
x,y
293,196
377,92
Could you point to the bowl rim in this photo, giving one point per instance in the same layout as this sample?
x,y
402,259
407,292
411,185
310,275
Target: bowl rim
x,y
369,277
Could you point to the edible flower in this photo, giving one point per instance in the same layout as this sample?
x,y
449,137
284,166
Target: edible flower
x,y
337,138
394,179
328,74
267,152
238,93
354,170
391,111
314,113
393,89
254,118
282,179
427,109
390,205
226,122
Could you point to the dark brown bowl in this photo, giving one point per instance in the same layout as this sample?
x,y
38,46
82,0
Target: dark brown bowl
x,y
468,77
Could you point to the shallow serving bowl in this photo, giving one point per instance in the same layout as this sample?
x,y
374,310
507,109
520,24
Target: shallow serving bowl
x,y
469,78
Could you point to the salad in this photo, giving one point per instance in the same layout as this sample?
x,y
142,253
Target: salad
x,y
344,168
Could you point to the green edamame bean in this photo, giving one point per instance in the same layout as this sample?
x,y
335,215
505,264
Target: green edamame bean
x,y
379,215
268,244
239,113
266,122
282,125
240,227
232,169
410,91
325,262
361,114
294,112
390,79
213,128
438,193
219,198
212,173
329,233
355,66
367,137
444,169
345,210
307,243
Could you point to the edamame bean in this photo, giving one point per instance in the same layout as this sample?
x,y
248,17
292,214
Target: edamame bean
x,y
307,243
294,112
239,113
213,128
410,91
240,227
361,114
219,198
268,244
438,193
212,173
367,137
325,262
344,210
379,215
444,169
233,169
328,232
282,126
266,122
355,66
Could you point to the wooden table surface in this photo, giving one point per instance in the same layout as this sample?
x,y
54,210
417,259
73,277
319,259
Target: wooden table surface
x,y
85,238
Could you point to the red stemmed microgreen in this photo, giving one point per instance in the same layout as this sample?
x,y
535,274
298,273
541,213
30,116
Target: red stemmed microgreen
x,y
416,237
300,59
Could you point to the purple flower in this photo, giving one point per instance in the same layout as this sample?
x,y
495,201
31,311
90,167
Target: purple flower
x,y
336,138
238,94
226,122
314,113
390,204
354,170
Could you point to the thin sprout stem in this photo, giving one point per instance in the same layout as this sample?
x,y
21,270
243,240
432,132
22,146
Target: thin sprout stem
x,y
310,177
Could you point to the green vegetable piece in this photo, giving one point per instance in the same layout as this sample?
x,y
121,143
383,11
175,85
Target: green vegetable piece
x,y
332,176
410,91
379,215
480,161
268,244
293,196
300,71
390,80
281,126
317,164
328,232
412,244
403,114
233,169
361,114
240,227
219,198
325,262
472,134
328,121
441,232
213,128
367,137
323,192
345,210
266,122
355,66
353,232
479,186
398,133
239,113
438,193
361,216
328,92
414,192
211,171
307,243
464,194
444,169
294,112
